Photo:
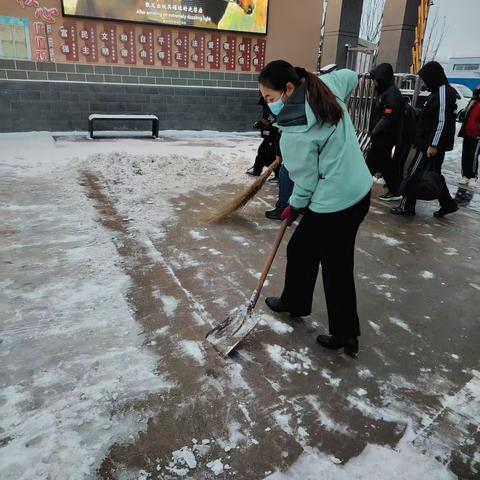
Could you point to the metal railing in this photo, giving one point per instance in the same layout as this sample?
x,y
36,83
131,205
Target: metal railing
x,y
363,98
360,109
360,59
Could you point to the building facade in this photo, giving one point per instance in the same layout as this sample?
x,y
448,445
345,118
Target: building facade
x,y
194,63
465,71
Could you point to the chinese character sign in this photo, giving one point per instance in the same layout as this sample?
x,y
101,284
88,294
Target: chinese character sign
x,y
51,43
164,41
128,45
259,55
68,33
213,56
146,40
91,42
198,47
42,53
230,55
109,48
245,58
89,49
181,53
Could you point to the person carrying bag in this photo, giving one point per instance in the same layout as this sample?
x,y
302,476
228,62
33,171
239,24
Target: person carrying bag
x,y
421,185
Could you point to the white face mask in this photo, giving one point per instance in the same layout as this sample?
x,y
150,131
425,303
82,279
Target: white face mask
x,y
276,107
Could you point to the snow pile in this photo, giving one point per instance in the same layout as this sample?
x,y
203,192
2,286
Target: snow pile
x,y
375,463
193,350
79,363
290,360
390,241
143,181
276,325
427,275
73,348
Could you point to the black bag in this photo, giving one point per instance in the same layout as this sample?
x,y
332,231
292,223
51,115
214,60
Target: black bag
x,y
424,185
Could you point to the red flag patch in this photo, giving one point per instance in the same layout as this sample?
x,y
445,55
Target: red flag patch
x,y
388,111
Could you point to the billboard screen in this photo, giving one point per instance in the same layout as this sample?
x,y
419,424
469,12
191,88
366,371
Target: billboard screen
x,y
246,16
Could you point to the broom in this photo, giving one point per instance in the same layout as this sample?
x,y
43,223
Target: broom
x,y
242,198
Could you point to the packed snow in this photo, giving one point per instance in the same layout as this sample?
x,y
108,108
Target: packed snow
x,y
80,369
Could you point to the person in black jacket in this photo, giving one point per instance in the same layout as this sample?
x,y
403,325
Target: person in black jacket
x,y
270,147
435,135
470,132
386,130
267,152
407,138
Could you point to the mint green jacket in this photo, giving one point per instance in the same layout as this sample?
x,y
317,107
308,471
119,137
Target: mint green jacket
x,y
323,160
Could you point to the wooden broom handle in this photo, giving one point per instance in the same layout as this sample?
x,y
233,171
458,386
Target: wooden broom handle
x,y
276,163
268,264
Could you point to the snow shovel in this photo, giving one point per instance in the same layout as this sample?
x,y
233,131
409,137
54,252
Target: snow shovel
x,y
228,334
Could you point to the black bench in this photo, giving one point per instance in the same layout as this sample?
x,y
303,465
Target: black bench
x,y
122,117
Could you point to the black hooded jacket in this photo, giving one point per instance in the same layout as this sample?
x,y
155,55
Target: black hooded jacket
x,y
436,121
267,130
387,112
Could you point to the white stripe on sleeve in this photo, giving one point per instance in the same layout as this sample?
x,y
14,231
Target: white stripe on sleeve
x,y
475,157
441,117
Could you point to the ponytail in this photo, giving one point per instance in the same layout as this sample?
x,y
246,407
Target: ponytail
x,y
322,101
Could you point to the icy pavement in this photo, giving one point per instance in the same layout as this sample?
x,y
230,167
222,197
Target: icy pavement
x,y
110,281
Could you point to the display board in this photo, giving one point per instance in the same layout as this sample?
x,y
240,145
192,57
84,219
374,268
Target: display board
x,y
246,16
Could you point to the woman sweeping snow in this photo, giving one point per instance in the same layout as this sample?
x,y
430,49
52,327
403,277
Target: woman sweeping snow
x,y
332,189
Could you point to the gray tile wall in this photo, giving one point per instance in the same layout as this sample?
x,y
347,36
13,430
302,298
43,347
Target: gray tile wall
x,y
65,106
26,70
59,97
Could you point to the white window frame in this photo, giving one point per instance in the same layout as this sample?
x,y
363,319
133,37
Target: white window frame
x,y
462,67
17,22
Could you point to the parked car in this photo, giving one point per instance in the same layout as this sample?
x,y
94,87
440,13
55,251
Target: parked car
x,y
464,95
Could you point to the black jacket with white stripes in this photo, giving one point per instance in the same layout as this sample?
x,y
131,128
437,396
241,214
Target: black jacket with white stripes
x,y
436,121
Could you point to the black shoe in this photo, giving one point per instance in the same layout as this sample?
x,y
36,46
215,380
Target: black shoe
x,y
276,304
390,197
402,211
446,210
252,172
275,214
349,344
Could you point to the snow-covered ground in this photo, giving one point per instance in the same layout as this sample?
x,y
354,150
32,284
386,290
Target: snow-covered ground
x,y
110,280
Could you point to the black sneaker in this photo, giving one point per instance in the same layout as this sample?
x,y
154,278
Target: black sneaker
x,y
349,344
275,214
446,210
389,197
276,304
402,211
252,172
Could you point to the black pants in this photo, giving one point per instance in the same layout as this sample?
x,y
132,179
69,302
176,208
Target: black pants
x,y
329,239
379,159
470,152
265,156
420,163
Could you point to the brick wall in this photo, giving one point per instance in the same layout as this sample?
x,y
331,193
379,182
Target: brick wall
x,y
59,97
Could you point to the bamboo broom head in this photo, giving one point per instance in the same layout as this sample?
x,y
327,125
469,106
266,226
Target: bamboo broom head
x,y
242,198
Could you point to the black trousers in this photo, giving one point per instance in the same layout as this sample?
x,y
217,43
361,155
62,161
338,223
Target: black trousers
x,y
470,152
327,239
420,163
379,159
265,156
